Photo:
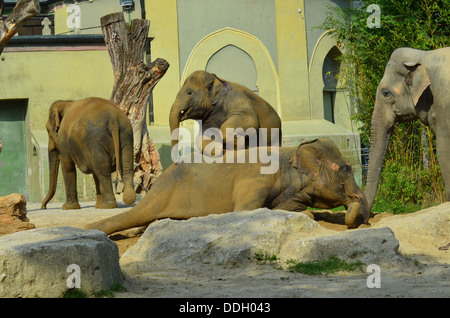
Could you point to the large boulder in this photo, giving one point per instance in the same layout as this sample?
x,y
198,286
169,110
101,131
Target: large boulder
x,y
235,238
424,234
46,262
13,214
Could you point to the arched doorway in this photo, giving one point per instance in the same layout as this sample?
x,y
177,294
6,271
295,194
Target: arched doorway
x,y
330,70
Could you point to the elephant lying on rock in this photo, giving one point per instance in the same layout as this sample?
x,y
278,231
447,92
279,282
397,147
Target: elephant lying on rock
x,y
315,174
219,105
94,135
415,85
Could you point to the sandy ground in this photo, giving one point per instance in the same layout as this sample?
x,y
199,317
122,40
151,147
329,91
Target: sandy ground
x,y
425,273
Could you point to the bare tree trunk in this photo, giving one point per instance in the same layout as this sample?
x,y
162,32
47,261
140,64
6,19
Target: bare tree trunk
x,y
133,83
24,10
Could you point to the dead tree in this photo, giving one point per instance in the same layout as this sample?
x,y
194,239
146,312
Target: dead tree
x,y
24,10
133,83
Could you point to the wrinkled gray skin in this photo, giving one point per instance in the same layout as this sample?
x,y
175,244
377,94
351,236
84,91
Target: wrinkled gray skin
x,y
221,104
415,85
315,174
94,135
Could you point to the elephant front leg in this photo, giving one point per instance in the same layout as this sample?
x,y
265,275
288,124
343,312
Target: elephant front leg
x,y
70,183
443,154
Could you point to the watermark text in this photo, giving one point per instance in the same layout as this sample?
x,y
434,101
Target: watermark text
x,y
210,145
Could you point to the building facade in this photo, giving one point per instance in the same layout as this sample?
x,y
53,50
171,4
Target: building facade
x,y
271,46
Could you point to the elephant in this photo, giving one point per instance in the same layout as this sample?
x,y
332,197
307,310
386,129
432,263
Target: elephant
x,y
94,135
219,105
314,174
415,85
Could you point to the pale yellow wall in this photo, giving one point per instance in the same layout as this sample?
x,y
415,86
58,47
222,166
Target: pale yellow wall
x,y
164,28
292,59
60,20
44,77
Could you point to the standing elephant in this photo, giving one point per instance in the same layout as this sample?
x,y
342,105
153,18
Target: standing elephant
x,y
94,135
315,174
220,104
416,84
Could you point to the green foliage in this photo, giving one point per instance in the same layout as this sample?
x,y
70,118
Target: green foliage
x,y
408,188
111,292
266,257
78,293
74,293
325,266
408,182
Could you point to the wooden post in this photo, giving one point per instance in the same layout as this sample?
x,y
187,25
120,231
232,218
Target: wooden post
x,y
133,83
24,10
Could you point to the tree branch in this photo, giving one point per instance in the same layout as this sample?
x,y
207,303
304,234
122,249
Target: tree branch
x,y
24,10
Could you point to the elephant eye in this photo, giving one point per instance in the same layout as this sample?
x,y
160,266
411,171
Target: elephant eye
x,y
346,168
189,93
386,93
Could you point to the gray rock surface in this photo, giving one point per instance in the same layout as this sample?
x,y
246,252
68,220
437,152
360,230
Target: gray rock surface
x,y
234,238
34,263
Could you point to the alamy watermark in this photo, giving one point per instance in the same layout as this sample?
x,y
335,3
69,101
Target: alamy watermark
x,y
74,18
374,19
236,139
74,279
374,279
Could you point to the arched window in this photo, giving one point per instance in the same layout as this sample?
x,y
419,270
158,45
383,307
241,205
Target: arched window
x,y
330,70
235,65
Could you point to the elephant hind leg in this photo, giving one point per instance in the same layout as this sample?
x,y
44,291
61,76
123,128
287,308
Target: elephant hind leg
x,y
105,193
70,182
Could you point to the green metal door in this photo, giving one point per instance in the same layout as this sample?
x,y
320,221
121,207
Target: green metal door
x,y
13,163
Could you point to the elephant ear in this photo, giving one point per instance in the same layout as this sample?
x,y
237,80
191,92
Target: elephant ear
x,y
57,117
417,80
307,160
217,88
56,114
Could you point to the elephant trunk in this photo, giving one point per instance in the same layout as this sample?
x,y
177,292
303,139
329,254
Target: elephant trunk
x,y
174,122
53,159
381,131
358,211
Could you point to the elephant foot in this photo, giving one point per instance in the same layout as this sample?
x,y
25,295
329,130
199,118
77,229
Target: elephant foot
x,y
104,205
71,206
354,217
129,195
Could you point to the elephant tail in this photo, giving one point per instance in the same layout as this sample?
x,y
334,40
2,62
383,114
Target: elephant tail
x,y
114,129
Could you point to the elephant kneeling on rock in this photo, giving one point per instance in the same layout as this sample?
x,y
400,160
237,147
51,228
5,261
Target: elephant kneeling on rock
x,y
220,106
95,136
313,175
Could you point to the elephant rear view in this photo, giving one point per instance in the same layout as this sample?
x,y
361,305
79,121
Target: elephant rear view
x,y
95,136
